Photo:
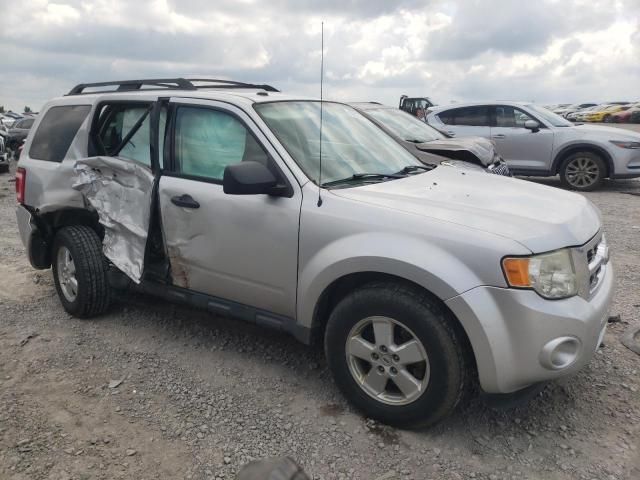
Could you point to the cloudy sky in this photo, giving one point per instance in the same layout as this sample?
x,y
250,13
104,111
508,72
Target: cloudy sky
x,y
542,50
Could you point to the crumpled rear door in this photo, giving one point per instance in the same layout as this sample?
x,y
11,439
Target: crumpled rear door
x,y
117,180
120,191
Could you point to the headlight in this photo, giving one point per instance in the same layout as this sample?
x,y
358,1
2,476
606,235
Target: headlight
x,y
551,275
625,144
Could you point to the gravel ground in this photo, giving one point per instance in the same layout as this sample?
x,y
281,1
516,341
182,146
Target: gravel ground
x,y
153,390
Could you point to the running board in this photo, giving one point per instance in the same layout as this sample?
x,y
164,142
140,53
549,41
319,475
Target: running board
x,y
229,309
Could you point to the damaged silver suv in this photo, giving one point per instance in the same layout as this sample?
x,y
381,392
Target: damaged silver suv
x,y
419,280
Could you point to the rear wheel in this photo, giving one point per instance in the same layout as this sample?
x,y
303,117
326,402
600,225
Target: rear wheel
x,y
396,355
80,271
584,171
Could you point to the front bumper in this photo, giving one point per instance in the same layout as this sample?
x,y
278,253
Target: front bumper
x,y
626,162
512,332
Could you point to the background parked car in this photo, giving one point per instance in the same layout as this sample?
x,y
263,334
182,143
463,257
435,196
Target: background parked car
x,y
624,116
4,157
413,105
604,114
535,141
578,116
8,119
564,111
428,144
19,132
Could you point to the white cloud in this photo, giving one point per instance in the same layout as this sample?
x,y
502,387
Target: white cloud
x,y
374,50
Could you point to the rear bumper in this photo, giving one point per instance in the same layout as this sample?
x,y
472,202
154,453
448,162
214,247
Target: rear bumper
x,y
514,333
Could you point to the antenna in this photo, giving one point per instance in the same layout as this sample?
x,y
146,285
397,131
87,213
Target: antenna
x,y
321,78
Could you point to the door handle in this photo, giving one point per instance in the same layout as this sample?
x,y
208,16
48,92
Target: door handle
x,y
499,135
450,133
185,201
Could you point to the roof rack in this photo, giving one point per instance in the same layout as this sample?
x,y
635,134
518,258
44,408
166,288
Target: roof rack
x,y
165,84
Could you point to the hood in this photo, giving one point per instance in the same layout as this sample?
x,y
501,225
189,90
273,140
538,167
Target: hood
x,y
480,147
539,217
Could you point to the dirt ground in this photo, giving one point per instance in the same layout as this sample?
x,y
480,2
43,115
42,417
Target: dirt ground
x,y
153,390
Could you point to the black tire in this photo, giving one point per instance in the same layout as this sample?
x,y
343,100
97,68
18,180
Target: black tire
x,y
4,168
93,294
451,368
607,119
573,161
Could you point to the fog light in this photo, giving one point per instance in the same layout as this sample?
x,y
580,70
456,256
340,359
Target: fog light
x,y
560,353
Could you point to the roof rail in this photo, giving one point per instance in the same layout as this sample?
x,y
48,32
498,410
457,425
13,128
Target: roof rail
x,y
166,84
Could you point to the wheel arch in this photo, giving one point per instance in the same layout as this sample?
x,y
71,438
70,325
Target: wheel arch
x,y
47,224
342,286
564,153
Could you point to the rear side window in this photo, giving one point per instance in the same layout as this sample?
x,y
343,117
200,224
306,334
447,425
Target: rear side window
x,y
467,116
123,130
56,131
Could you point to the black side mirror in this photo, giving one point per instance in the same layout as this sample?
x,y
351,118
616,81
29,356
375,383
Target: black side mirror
x,y
249,178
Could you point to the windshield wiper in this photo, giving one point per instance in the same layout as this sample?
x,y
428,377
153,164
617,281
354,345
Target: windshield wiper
x,y
361,176
413,168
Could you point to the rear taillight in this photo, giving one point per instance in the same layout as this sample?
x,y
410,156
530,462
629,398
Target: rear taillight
x,y
21,177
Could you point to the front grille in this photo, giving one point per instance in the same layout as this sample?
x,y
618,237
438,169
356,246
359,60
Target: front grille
x,y
597,254
500,168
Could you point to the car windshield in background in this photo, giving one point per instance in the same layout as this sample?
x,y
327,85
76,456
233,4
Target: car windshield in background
x,y
405,126
552,118
351,144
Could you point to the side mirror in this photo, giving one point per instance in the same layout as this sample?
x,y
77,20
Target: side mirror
x,y
532,125
249,178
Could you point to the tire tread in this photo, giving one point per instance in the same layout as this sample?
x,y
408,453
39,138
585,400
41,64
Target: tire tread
x,y
90,269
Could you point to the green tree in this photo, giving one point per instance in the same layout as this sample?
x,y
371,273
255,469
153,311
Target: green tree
x,y
27,109
1,108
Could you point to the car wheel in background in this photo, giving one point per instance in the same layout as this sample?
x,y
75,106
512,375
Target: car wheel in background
x,y
80,271
397,355
583,171
607,119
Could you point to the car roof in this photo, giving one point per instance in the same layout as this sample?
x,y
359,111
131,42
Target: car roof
x,y
370,106
231,95
479,104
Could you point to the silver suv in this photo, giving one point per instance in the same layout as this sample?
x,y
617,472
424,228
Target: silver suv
x,y
536,141
420,281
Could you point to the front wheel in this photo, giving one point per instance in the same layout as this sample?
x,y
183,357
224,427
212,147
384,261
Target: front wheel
x,y
80,271
396,355
583,171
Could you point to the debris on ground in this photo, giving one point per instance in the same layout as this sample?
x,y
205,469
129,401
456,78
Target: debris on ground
x,y
26,339
115,383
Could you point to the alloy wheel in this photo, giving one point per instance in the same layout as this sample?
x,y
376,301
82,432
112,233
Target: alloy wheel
x,y
582,172
387,360
66,269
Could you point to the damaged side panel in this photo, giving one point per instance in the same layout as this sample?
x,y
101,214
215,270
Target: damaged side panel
x,y
120,191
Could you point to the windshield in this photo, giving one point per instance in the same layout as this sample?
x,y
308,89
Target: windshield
x,y
351,144
550,117
405,126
